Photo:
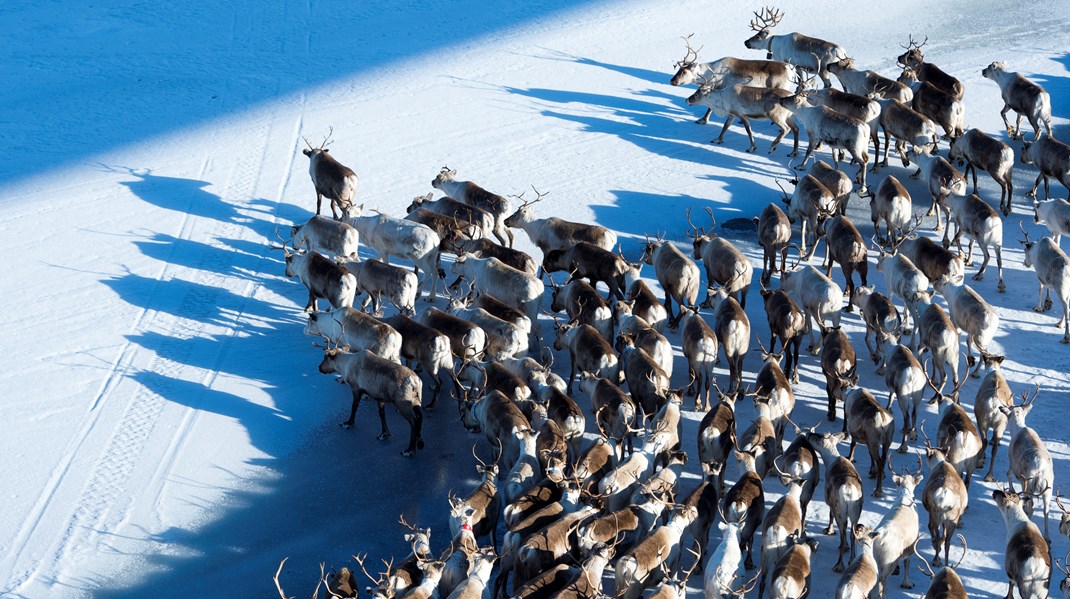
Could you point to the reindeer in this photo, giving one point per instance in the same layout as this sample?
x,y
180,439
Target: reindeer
x,y
790,578
823,125
992,395
838,365
860,580
745,102
881,318
380,281
624,527
1029,461
330,177
485,248
479,222
582,303
504,339
763,73
945,497
835,180
869,83
855,106
971,314
786,322
474,195
914,60
935,104
328,236
810,53
818,296
463,545
725,264
642,302
644,336
588,351
499,419
744,503
943,180
508,284
391,236
1052,158
869,423
981,152
675,587
771,386
1055,214
467,340
937,335
732,327
907,126
545,548
1023,96
783,522
647,381
678,275
381,380
939,264
811,202
945,583
640,568
554,233
357,331
903,279
723,564
800,461
1027,559
699,344
981,223
774,235
321,276
845,246
843,490
1053,274
586,260
897,533
613,408
892,206
758,443
905,379
479,571
717,438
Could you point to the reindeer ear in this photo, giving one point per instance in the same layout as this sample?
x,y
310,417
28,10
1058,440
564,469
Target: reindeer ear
x,y
306,152
410,537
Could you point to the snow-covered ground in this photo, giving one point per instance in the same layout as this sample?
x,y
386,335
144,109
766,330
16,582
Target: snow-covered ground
x,y
166,429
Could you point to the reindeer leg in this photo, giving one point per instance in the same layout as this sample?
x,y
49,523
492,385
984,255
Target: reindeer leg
x,y
720,138
706,117
385,434
319,202
358,394
1006,123
753,146
1018,127
311,305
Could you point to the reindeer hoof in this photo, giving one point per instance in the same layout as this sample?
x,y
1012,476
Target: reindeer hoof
x,y
408,453
988,479
1065,339
701,121
977,277
877,493
1038,308
1001,287
1047,304
837,568
902,448
751,150
383,436
717,141
346,425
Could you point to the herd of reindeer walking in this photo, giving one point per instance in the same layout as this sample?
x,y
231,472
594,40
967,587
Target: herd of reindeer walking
x,y
575,500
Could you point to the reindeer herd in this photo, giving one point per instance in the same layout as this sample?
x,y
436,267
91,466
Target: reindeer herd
x,y
578,502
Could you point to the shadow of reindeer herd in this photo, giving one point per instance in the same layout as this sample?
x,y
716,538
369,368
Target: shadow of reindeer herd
x,y
572,507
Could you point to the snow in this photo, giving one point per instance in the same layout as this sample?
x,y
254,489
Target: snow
x,y
168,430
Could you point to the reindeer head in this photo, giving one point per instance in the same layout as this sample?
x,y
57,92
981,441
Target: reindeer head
x,y
314,153
993,70
487,471
419,538
418,202
1027,259
763,24
907,482
839,66
524,213
909,77
700,237
444,175
331,355
1017,414
686,68
912,58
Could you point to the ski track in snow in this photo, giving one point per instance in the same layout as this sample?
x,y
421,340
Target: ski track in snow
x,y
181,442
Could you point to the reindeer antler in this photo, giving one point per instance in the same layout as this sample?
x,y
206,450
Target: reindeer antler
x,y
327,138
769,18
690,52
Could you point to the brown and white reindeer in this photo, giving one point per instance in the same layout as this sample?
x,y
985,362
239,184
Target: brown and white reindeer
x,y
449,229
356,330
424,346
903,279
935,104
674,586
907,126
746,102
992,394
772,387
385,382
1027,559
588,351
321,276
972,315
699,344
468,341
855,106
758,443
871,424
1052,266
835,180
810,53
588,261
677,274
819,297
790,578
330,177
546,547
408,573
587,584
722,567
474,195
514,287
945,583
554,233
864,82
881,317
895,536
479,222
726,266
498,418
325,235
485,501
390,236
644,335
504,339
892,206
914,60
782,523
937,262
642,302
981,223
640,568
956,433
945,498
905,379
943,180
860,580
624,527
717,438
745,503
981,152
732,327
485,248
481,564
613,409
843,490
583,304
648,383
774,235
1023,97
810,203
763,73
938,336
824,125
381,281
786,322
463,545
800,460
838,365
1029,460
845,246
